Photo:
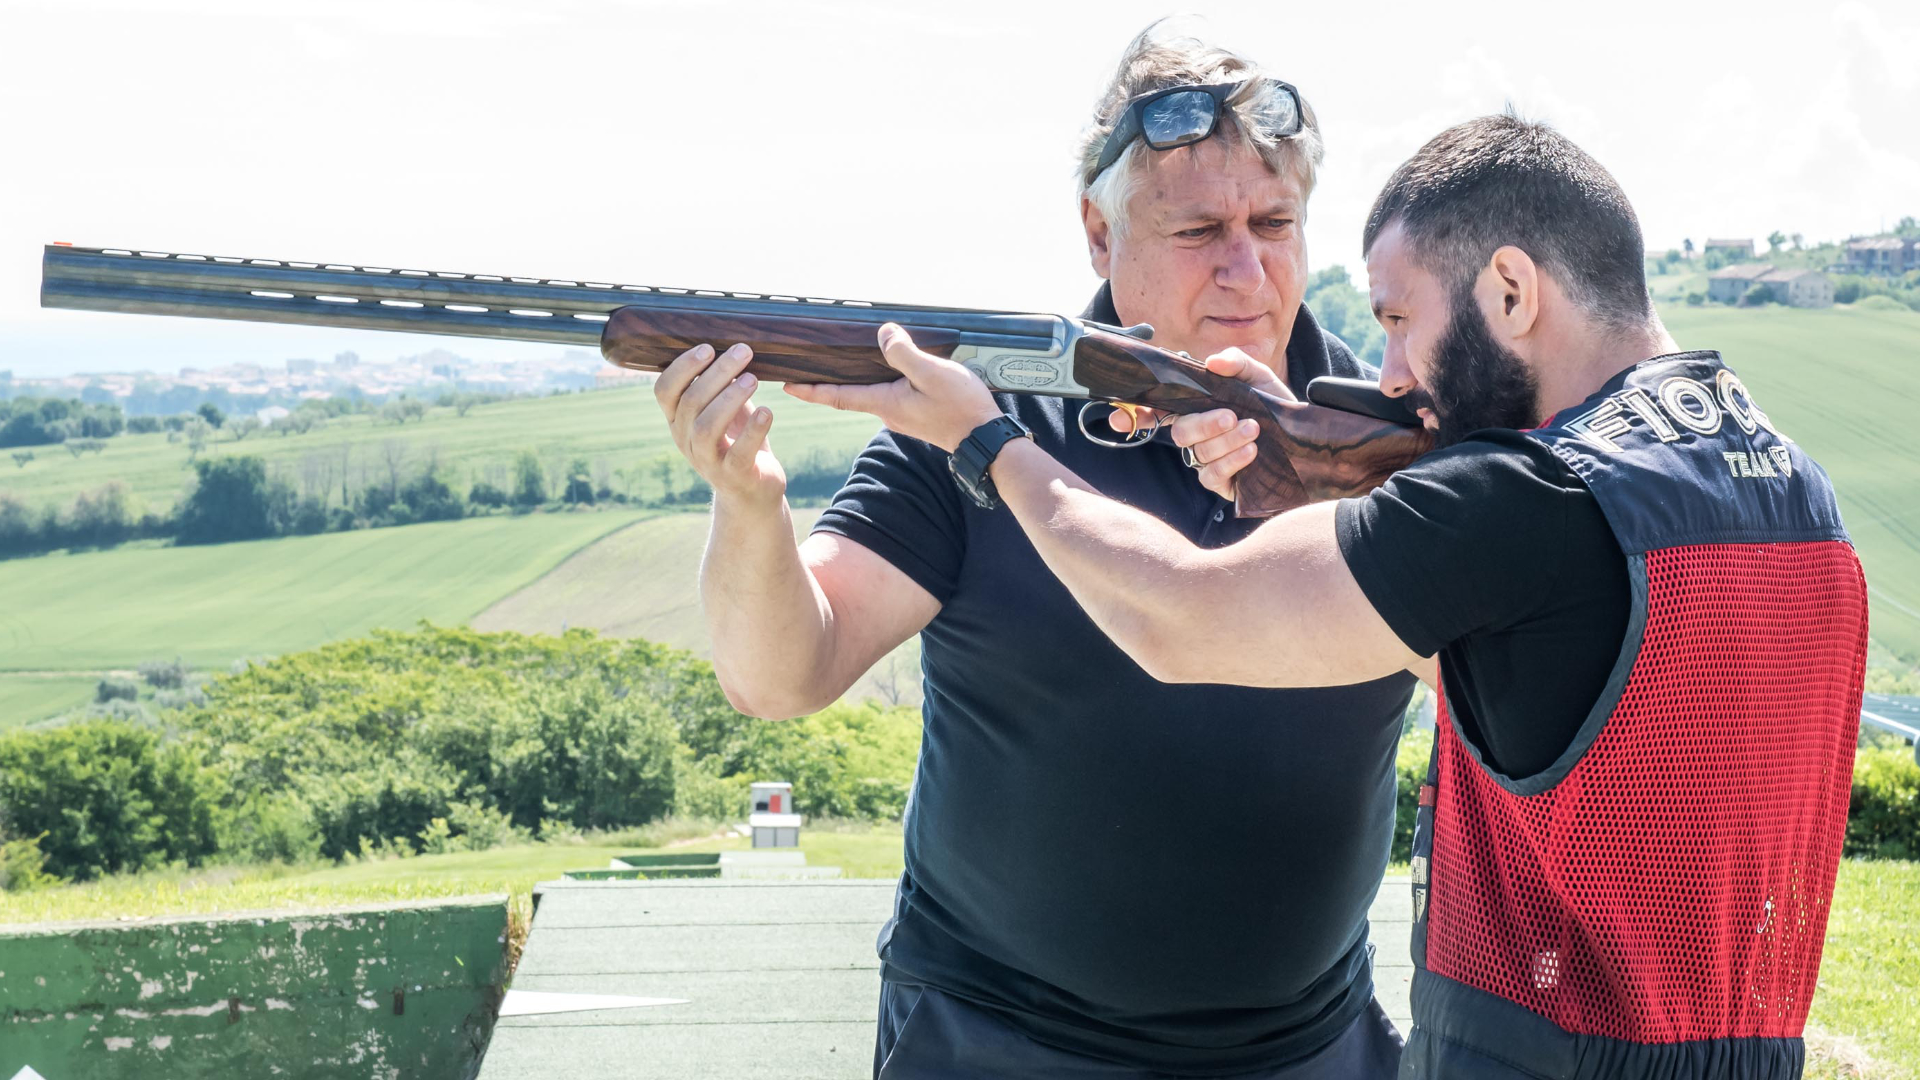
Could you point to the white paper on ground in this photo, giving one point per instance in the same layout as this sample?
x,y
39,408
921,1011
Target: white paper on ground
x,y
538,1002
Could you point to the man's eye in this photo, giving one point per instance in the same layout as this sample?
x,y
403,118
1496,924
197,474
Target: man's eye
x,y
1195,233
1279,223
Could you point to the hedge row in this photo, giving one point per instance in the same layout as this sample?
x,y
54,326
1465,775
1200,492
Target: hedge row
x,y
1883,816
437,739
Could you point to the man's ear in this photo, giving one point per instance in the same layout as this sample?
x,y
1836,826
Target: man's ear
x,y
1509,293
1099,237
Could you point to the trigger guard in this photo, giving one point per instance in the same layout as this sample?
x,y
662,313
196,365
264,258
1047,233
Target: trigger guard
x,y
1134,441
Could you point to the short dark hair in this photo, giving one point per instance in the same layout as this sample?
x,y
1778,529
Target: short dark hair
x,y
1501,180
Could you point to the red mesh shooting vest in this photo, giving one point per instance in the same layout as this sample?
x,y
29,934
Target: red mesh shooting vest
x,y
1655,902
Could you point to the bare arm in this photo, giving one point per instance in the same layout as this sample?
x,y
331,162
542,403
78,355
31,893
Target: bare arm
x,y
792,625
1280,608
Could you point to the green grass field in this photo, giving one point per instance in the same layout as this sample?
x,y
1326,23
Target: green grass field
x,y
211,605
639,582
643,581
27,698
1845,384
1864,1010
622,426
860,850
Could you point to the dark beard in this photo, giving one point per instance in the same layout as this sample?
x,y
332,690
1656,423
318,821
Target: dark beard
x,y
1476,382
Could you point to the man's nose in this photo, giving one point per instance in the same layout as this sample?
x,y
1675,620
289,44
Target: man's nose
x,y
1240,268
1396,375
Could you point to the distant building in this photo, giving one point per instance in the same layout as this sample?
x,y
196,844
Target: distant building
x,y
1792,287
271,414
1729,284
611,375
1730,249
1886,255
302,367
1799,288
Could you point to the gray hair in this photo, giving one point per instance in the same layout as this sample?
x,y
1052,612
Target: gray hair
x,y
1152,62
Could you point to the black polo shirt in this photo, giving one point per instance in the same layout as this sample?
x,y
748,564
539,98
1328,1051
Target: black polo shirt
x,y
1175,877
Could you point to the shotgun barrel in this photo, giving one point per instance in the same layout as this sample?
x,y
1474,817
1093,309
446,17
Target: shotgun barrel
x,y
436,302
1309,451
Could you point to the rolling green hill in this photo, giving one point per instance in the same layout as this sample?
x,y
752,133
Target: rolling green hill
x,y
25,698
643,582
212,605
621,427
1845,384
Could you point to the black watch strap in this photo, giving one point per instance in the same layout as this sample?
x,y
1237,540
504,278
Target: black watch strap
x,y
971,459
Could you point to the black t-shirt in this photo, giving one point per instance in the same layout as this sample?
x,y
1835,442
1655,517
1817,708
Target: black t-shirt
x,y
1172,876
1495,555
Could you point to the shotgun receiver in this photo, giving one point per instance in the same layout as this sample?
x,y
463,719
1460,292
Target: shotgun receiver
x,y
1308,452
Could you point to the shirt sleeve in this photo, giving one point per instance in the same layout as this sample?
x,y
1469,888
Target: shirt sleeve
x,y
900,503
1468,538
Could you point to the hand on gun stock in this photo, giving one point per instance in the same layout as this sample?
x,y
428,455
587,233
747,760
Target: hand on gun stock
x,y
708,401
1219,443
935,400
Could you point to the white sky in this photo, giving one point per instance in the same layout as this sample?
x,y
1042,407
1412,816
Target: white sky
x,y
885,151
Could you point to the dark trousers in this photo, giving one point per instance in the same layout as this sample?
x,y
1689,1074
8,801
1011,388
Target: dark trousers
x,y
926,1034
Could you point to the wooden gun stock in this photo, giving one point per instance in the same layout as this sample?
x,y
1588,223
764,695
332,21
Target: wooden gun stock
x,y
1308,453
786,348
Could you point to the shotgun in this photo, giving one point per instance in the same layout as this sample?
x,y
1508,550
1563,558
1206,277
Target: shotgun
x,y
1345,440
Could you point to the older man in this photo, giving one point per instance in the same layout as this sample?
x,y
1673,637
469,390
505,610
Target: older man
x,y
1105,875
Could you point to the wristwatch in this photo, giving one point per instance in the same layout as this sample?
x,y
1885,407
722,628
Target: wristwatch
x,y
968,463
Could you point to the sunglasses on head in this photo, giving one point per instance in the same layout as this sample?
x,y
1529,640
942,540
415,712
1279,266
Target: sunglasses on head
x,y
1184,115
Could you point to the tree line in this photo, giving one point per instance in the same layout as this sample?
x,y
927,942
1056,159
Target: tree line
x,y
423,741
238,497
34,421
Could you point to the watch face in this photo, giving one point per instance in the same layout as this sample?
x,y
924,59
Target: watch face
x,y
980,498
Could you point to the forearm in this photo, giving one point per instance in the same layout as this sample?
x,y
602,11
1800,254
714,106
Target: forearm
x,y
770,623
1132,573
1279,608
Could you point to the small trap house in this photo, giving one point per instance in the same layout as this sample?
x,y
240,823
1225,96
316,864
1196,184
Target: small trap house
x,y
772,820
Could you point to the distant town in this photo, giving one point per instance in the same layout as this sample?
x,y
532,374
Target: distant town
x,y
1796,274
255,387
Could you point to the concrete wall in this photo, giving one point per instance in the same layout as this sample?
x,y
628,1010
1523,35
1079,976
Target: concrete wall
x,y
384,992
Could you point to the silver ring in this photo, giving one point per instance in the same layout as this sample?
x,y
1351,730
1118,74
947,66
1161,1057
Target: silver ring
x,y
1187,455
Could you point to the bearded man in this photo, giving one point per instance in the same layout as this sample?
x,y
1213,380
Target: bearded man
x,y
1106,876
1650,624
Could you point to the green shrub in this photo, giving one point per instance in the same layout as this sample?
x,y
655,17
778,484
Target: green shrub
x,y
115,688
846,761
274,828
699,791
164,674
1410,771
437,740
231,500
107,795
485,494
23,864
1883,814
